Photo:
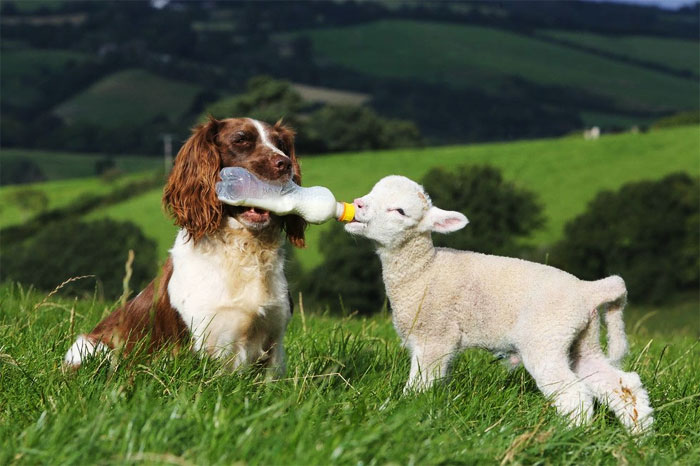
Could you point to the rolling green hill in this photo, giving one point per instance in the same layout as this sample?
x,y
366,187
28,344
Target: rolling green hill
x,y
129,97
565,174
474,56
681,55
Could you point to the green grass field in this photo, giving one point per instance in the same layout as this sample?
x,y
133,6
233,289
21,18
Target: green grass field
x,y
681,55
564,173
65,165
341,401
481,57
58,193
135,95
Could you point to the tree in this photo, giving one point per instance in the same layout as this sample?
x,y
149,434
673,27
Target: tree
x,y
499,212
647,232
72,248
350,274
266,99
349,127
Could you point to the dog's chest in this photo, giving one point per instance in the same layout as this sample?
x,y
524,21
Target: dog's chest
x,y
223,288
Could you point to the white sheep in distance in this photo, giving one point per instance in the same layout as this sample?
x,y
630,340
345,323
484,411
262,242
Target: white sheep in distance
x,y
444,301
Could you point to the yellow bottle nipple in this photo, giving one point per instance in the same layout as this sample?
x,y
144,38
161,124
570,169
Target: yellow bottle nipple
x,y
348,213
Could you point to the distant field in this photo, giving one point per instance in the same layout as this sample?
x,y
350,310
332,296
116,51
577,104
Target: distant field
x,y
23,67
565,174
681,55
134,96
58,193
481,57
63,165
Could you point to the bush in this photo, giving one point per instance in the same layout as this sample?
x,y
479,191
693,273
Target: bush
x,y
690,117
499,212
350,274
72,248
647,232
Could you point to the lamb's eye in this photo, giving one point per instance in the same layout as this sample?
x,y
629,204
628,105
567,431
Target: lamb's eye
x,y
399,211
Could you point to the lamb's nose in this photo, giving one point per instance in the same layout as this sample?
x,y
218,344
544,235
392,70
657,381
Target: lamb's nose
x,y
359,203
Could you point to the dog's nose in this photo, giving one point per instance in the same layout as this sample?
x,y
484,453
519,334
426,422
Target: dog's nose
x,y
283,164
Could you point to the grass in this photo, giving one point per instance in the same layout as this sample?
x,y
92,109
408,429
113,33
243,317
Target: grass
x,y
340,402
678,54
134,95
482,57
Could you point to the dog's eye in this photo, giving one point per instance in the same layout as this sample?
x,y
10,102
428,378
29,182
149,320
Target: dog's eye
x,y
281,145
239,137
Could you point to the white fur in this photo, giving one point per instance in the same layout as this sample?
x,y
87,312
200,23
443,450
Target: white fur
x,y
445,300
231,292
81,350
265,140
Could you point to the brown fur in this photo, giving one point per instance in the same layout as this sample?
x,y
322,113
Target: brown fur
x,y
148,318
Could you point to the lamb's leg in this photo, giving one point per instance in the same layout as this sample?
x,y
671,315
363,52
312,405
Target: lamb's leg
x,y
621,391
429,362
556,380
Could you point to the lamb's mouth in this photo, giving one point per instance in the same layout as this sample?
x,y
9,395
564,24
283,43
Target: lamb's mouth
x,y
355,226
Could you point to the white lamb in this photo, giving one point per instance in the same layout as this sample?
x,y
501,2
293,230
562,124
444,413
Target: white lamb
x,y
444,301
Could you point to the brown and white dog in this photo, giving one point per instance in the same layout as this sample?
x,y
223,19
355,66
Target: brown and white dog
x,y
223,288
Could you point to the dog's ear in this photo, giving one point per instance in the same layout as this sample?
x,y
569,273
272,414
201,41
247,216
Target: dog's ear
x,y
293,225
190,194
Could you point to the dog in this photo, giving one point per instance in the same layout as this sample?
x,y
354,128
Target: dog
x,y
223,289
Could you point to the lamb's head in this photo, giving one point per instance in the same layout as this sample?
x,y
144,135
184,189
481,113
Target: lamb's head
x,y
398,209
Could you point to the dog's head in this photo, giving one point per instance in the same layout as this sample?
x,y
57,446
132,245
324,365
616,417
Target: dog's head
x,y
267,151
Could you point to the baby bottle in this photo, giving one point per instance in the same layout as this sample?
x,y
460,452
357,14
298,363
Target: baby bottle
x,y
315,204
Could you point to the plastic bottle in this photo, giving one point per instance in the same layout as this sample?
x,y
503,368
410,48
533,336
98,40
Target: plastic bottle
x,y
315,204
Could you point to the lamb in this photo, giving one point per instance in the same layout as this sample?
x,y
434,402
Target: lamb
x,y
444,301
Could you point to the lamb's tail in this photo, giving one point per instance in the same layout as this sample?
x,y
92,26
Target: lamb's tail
x,y
609,296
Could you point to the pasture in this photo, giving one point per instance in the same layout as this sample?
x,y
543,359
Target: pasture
x,y
473,56
678,54
134,95
341,401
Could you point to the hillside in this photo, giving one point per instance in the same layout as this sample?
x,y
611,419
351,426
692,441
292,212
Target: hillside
x,y
127,98
564,173
473,56
677,54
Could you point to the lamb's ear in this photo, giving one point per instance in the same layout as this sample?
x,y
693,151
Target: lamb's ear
x,y
443,221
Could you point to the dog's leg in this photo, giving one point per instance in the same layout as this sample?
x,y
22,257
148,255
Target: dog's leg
x,y
84,347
